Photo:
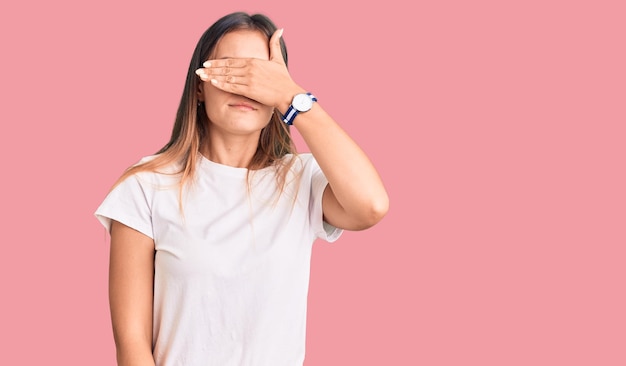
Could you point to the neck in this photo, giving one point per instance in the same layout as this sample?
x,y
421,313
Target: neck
x,y
235,151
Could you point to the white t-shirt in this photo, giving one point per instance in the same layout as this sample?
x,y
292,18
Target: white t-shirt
x,y
231,273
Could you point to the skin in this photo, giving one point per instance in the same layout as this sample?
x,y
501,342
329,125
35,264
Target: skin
x,y
131,279
243,83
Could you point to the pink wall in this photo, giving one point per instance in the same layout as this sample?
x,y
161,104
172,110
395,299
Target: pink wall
x,y
499,131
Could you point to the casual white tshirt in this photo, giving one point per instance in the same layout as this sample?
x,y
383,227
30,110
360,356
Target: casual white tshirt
x,y
231,273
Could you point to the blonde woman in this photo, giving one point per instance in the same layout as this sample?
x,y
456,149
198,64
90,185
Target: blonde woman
x,y
211,237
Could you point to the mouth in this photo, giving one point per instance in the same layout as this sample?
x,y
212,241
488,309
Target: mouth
x,y
242,106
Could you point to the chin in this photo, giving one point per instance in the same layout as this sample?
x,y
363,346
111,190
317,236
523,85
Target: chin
x,y
246,126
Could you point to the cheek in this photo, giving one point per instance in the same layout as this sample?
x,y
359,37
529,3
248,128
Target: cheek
x,y
213,93
213,98
268,113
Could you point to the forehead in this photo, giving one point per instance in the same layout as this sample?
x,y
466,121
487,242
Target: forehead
x,y
242,43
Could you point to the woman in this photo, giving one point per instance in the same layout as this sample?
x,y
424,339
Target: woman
x,y
211,237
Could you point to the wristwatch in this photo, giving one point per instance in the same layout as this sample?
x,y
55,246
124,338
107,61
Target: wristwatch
x,y
300,103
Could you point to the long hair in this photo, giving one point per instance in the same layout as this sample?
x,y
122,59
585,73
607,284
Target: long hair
x,y
191,123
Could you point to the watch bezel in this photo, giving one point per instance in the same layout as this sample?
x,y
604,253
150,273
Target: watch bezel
x,y
302,102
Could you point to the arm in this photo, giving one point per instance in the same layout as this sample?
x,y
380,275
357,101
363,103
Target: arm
x,y
131,281
355,198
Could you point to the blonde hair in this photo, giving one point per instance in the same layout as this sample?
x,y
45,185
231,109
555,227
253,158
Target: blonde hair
x,y
191,124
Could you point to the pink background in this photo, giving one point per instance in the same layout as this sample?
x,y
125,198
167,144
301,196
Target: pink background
x,y
498,128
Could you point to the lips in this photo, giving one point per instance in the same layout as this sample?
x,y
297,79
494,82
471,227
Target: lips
x,y
242,106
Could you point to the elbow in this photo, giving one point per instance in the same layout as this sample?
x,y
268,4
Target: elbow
x,y
379,209
373,212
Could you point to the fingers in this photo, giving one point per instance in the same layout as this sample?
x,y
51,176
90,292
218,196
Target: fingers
x,y
231,75
276,54
226,62
224,79
226,67
229,87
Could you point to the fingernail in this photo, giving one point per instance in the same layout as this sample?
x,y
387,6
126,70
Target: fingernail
x,y
200,72
213,81
206,64
280,32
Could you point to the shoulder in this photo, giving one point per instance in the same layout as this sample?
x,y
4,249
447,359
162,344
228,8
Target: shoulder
x,y
303,168
158,164
304,157
153,170
300,162
146,159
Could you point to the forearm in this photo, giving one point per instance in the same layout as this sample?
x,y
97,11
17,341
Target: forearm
x,y
134,354
353,179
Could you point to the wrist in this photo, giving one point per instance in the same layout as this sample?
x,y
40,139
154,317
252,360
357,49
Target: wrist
x,y
301,103
287,99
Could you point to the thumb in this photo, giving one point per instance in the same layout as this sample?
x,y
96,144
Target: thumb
x,y
276,53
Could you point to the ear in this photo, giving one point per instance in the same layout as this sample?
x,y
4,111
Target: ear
x,y
200,92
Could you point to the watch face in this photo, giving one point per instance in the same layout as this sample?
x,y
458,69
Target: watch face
x,y
302,102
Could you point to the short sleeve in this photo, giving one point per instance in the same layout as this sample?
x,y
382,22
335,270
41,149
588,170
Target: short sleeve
x,y
128,204
323,230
